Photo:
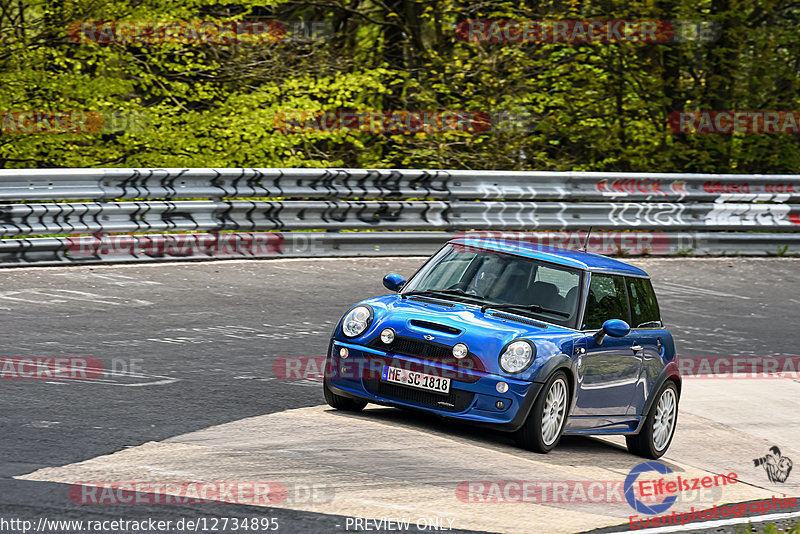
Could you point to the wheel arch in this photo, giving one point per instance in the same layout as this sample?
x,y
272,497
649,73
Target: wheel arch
x,y
560,362
669,373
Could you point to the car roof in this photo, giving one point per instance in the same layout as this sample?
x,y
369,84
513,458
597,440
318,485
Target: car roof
x,y
570,258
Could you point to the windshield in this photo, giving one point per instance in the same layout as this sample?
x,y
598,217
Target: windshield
x,y
486,277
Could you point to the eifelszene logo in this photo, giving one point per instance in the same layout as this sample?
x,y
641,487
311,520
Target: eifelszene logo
x,y
630,482
655,496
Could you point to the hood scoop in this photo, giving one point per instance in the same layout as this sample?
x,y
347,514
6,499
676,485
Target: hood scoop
x,y
433,301
518,319
435,326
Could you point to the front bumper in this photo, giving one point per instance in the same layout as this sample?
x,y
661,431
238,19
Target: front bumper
x,y
473,394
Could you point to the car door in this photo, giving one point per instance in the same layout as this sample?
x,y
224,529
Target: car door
x,y
609,371
650,334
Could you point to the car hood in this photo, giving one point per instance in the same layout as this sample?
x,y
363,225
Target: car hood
x,y
484,333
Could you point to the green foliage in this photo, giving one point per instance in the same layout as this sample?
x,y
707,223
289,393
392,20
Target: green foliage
x,y
769,528
599,106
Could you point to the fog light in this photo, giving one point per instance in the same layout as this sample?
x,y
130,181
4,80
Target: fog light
x,y
344,353
387,335
460,351
499,405
501,387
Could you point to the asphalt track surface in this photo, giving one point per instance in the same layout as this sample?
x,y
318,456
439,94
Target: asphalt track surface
x,y
193,346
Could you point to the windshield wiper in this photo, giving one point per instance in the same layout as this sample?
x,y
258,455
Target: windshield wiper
x,y
528,307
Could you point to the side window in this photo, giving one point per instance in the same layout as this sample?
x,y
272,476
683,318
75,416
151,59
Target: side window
x,y
607,299
644,306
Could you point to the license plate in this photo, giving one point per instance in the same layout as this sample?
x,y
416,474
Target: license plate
x,y
413,379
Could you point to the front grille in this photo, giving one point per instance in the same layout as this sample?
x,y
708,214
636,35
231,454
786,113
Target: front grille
x,y
421,349
425,350
413,347
456,401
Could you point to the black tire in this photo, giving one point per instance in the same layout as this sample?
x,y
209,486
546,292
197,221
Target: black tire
x,y
530,436
339,402
644,443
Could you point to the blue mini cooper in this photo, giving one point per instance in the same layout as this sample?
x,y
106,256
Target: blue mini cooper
x,y
538,341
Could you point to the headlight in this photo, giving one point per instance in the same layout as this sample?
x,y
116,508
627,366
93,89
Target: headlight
x,y
387,335
460,350
517,356
356,321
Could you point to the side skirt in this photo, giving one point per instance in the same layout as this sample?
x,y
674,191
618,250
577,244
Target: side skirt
x,y
606,424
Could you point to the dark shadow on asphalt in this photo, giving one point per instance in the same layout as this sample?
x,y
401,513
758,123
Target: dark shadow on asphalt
x,y
574,450
27,500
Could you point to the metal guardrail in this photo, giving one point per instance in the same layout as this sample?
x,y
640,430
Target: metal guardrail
x,y
240,215
182,247
669,213
337,184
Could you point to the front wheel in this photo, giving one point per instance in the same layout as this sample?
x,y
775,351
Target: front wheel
x,y
339,402
654,438
545,423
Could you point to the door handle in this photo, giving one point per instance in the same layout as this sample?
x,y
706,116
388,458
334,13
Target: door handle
x,y
637,348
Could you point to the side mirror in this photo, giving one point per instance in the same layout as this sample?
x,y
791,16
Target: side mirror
x,y
613,328
393,282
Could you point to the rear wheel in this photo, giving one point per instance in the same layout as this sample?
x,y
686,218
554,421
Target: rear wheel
x,y
339,402
657,431
545,423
